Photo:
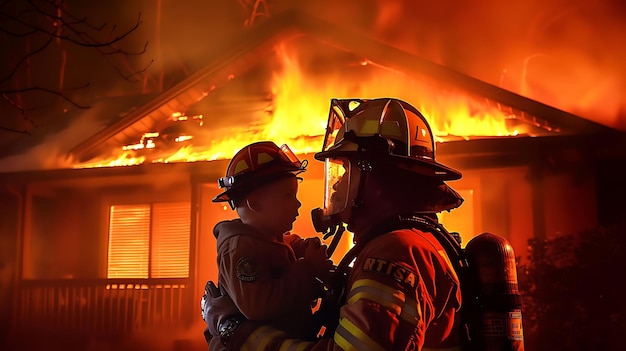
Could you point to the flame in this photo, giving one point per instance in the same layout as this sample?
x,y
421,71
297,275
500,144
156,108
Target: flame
x,y
298,112
124,159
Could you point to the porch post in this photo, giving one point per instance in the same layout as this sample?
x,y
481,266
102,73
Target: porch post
x,y
194,294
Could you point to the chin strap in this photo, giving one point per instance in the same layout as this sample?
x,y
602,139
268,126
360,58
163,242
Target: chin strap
x,y
328,226
338,232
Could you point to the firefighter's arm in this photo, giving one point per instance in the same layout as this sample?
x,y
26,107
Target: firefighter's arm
x,y
387,303
250,335
369,321
380,313
216,308
264,292
255,336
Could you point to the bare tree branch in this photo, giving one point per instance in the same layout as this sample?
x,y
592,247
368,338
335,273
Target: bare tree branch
x,y
17,35
24,58
13,130
124,52
84,38
140,71
49,91
46,22
22,112
128,77
256,8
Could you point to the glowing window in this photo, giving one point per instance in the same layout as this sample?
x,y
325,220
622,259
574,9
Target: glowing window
x,y
149,240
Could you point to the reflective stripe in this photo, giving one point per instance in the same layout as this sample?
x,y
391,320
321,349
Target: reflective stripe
x,y
394,299
350,338
343,343
295,345
457,348
260,338
384,294
411,311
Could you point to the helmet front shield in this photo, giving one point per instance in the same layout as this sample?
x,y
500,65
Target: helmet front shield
x,y
289,156
337,185
336,120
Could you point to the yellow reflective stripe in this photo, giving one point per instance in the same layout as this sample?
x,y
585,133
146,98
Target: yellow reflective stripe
x,y
386,295
411,311
350,338
295,345
382,300
343,343
394,299
260,338
457,348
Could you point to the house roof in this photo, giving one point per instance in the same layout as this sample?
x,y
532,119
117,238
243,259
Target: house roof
x,y
244,53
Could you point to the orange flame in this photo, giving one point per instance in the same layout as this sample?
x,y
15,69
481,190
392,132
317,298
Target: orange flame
x,y
124,159
298,113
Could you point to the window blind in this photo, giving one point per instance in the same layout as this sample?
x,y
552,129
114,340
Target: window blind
x,y
129,235
149,240
170,240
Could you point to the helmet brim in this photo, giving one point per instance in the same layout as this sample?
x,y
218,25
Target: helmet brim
x,y
258,182
223,197
423,166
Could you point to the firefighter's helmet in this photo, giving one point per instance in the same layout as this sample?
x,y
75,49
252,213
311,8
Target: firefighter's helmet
x,y
255,165
384,128
385,133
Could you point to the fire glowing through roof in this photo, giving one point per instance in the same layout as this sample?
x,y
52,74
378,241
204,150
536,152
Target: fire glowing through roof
x,y
297,111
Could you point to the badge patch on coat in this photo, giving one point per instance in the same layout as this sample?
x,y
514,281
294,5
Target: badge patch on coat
x,y
399,273
247,269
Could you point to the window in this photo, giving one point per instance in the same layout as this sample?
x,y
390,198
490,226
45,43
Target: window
x,y
149,240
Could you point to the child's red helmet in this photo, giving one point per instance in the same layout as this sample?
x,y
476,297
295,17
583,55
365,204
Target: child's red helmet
x,y
256,165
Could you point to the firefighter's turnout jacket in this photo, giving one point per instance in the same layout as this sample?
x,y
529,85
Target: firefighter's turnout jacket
x,y
402,294
264,277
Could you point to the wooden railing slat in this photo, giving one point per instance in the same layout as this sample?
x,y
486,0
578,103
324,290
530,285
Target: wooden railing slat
x,y
103,306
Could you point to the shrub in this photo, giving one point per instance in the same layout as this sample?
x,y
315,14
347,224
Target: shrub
x,y
571,291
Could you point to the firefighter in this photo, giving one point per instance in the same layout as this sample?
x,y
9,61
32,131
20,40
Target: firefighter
x,y
401,292
270,275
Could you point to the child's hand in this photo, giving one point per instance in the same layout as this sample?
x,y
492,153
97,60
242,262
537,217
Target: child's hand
x,y
296,242
313,248
315,256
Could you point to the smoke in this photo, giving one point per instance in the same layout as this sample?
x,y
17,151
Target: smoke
x,y
566,54
52,151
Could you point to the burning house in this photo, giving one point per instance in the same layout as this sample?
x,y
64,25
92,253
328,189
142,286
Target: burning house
x,y
121,242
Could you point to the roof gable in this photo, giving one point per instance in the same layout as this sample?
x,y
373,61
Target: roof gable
x,y
246,52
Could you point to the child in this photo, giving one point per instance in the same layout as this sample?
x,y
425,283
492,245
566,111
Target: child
x,y
269,274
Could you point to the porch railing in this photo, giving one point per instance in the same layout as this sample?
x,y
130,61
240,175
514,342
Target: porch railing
x,y
103,306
